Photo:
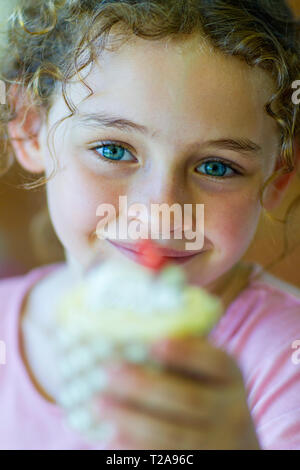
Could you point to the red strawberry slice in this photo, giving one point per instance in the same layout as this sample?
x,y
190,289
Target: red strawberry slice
x,y
150,255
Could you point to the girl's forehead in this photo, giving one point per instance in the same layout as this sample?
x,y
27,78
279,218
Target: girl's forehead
x,y
188,67
153,82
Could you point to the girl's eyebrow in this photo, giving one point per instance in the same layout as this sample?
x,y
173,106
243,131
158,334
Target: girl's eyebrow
x,y
96,120
237,144
105,120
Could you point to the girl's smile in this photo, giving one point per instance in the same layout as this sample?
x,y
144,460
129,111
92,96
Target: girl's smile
x,y
176,257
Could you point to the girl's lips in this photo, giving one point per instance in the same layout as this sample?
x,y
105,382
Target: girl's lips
x,y
181,258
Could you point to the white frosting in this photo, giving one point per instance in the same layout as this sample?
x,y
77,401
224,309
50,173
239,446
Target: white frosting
x,y
117,285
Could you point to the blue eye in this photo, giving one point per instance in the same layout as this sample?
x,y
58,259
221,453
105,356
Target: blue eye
x,y
112,151
218,168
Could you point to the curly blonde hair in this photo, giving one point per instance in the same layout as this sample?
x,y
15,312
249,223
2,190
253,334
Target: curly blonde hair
x,y
51,41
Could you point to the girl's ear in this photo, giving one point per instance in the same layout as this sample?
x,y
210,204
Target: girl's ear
x,y
277,189
23,131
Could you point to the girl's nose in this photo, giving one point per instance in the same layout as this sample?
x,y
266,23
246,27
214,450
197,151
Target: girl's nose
x,y
159,206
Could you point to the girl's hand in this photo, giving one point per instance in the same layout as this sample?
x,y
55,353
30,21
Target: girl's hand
x,y
198,403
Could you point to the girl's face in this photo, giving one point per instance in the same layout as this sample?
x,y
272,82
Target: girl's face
x,y
195,106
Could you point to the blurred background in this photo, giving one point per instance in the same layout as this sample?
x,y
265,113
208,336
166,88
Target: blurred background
x,y
27,239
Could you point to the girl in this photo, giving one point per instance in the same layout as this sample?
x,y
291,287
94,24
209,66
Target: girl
x,y
163,101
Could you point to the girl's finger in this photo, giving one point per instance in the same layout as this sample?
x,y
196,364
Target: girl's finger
x,y
164,392
197,357
139,429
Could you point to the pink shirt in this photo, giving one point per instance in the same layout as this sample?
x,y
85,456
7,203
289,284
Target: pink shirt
x,y
258,330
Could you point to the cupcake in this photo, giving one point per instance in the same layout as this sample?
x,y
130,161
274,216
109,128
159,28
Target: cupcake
x,y
117,311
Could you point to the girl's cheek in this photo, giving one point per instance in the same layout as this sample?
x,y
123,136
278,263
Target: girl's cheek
x,y
235,220
74,197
